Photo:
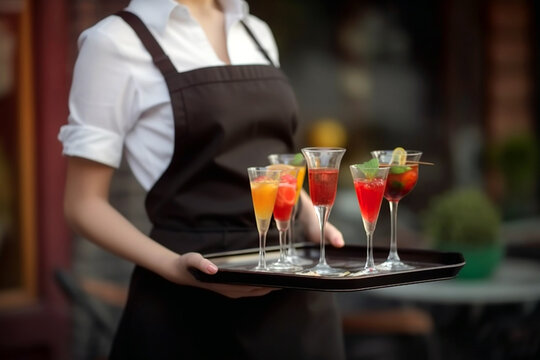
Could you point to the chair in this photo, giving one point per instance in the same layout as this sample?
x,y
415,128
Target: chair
x,y
88,295
381,333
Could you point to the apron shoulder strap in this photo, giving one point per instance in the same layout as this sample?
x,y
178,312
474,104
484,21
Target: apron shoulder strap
x,y
159,57
257,43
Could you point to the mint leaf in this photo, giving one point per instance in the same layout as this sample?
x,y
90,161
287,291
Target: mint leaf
x,y
399,169
369,168
297,160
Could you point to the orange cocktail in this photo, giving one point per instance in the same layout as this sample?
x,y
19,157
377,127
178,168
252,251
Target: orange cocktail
x,y
264,184
263,194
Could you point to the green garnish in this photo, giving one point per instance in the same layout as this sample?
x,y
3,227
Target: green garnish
x,y
369,168
396,185
298,159
399,169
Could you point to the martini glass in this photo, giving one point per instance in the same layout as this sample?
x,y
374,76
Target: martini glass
x,y
283,207
297,160
402,178
369,183
323,170
264,187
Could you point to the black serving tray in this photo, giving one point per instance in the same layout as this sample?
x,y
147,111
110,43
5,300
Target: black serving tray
x,y
236,268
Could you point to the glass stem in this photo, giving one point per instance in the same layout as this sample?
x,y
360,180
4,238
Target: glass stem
x,y
322,215
393,254
262,250
291,251
370,262
282,246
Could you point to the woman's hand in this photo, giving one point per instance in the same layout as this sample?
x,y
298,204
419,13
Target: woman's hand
x,y
312,228
197,261
90,214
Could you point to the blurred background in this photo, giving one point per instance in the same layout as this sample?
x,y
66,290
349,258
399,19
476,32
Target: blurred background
x,y
456,79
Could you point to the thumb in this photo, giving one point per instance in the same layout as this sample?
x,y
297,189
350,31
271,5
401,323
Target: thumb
x,y
197,261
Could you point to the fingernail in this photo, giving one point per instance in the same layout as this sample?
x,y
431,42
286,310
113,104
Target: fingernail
x,y
211,268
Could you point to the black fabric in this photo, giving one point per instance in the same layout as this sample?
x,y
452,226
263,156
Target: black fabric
x,y
226,118
200,324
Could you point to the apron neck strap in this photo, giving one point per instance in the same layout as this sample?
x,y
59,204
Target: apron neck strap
x,y
159,57
257,43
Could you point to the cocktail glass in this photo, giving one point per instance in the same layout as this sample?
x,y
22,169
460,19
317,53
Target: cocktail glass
x,y
283,207
264,184
297,160
323,170
402,178
369,183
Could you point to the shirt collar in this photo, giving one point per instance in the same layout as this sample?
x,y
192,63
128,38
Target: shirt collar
x,y
156,13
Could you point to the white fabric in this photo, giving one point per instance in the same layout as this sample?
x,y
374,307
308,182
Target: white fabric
x,y
119,100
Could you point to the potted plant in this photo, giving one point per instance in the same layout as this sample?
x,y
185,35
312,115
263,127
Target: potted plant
x,y
465,220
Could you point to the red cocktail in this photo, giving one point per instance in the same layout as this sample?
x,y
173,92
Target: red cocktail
x,y
401,180
323,169
283,206
369,194
285,200
369,182
297,160
323,186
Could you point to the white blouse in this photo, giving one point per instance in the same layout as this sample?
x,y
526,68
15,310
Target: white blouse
x,y
119,100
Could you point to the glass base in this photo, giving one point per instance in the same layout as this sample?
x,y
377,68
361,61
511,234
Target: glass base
x,y
259,268
366,271
393,265
298,260
325,269
281,266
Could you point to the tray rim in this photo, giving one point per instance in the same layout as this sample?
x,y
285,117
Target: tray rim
x,y
436,272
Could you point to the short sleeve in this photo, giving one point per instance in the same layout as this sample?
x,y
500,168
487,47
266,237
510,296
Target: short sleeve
x,y
103,102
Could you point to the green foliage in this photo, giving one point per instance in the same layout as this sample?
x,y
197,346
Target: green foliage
x,y
462,216
518,159
298,159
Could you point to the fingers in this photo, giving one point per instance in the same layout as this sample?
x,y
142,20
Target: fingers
x,y
197,261
333,236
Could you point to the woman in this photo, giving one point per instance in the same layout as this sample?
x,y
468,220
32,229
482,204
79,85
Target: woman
x,y
155,83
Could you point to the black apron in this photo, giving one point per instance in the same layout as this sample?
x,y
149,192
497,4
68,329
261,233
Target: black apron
x,y
226,118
